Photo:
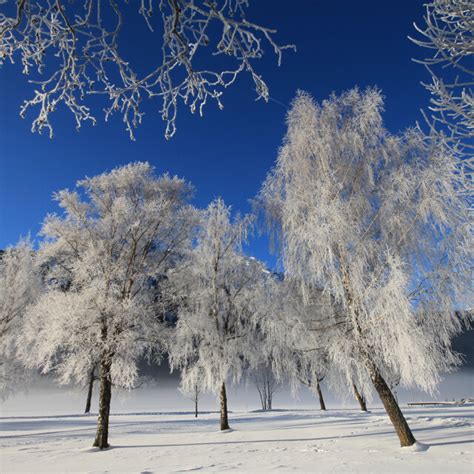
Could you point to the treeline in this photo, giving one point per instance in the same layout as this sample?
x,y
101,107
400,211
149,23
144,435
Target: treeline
x,y
371,230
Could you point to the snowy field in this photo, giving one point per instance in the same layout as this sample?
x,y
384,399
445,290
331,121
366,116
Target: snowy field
x,y
281,441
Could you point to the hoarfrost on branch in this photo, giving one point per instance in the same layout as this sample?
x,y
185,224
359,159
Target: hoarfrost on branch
x,y
72,50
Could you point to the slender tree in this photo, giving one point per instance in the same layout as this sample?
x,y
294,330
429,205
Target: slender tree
x,y
359,397
117,237
266,384
313,370
262,366
315,386
20,287
281,335
192,387
377,222
218,287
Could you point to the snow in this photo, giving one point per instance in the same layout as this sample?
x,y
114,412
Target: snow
x,y
342,440
417,447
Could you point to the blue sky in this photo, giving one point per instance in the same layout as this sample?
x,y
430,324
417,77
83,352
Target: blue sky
x,y
227,153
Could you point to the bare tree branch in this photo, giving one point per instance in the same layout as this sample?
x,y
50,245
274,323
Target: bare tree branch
x,y
72,51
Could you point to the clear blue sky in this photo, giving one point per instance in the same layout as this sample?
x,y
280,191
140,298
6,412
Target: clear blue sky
x,y
341,43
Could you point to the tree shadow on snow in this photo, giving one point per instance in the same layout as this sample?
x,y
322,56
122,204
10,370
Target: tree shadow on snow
x,y
450,443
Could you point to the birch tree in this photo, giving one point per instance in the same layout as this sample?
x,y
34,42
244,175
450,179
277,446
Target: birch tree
x,y
313,371
289,335
298,332
266,384
74,50
377,222
191,386
218,288
20,286
116,238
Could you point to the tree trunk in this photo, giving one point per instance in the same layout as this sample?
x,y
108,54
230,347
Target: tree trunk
x,y
269,399
391,406
196,407
263,402
224,418
359,397
320,395
262,396
89,391
105,396
393,410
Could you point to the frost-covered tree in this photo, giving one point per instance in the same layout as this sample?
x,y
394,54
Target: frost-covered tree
x,y
217,287
266,384
313,370
448,34
74,50
192,386
117,236
376,222
295,334
266,354
20,287
290,331
58,277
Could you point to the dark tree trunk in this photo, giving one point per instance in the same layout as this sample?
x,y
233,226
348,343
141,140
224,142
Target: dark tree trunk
x,y
89,391
269,398
359,398
393,410
195,407
320,395
391,406
263,400
105,396
224,418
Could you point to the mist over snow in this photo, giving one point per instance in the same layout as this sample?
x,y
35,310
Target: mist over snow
x,y
44,397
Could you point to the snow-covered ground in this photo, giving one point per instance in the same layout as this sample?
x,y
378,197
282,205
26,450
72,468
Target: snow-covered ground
x,y
282,441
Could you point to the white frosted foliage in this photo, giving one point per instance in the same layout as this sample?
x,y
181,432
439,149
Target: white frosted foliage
x,y
107,255
375,223
216,292
20,286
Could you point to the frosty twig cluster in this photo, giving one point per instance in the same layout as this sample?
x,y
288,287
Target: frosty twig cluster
x,y
448,33
72,50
